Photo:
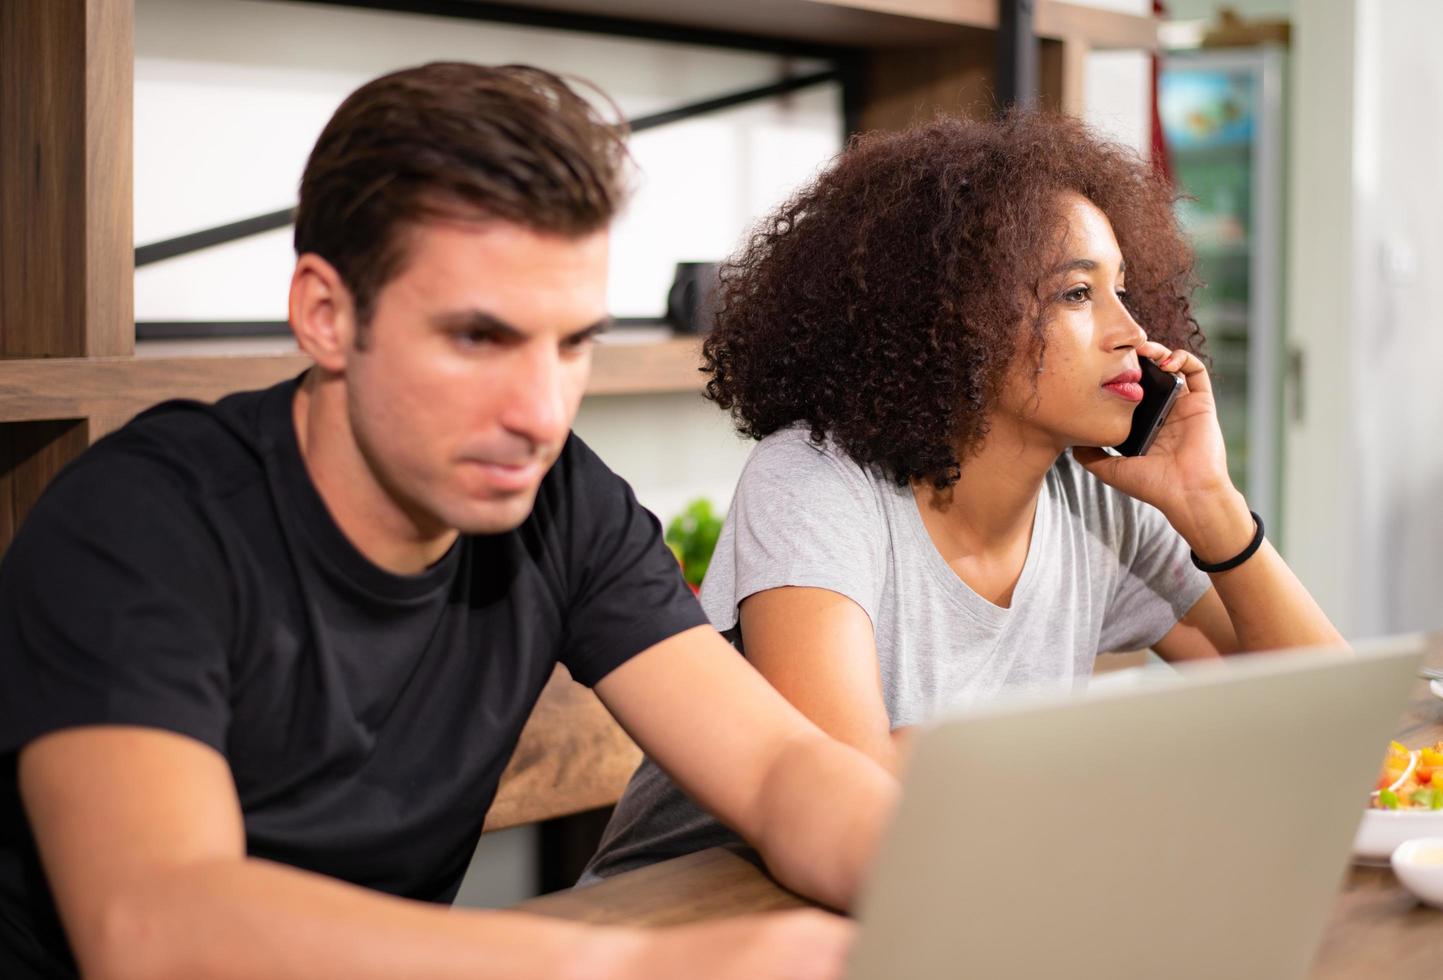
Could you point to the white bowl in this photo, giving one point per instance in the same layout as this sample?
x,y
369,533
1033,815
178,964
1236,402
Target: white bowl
x,y
1419,866
1381,831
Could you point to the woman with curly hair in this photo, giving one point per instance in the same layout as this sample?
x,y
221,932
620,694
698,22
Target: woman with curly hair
x,y
930,341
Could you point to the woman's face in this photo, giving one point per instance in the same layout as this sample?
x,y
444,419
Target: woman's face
x,y
1087,386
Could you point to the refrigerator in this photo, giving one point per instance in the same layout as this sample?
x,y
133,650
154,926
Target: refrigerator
x,y
1222,114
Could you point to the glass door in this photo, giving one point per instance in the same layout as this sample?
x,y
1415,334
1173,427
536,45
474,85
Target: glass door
x,y
1222,116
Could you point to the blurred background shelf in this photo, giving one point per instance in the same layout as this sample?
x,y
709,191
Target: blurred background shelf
x,y
50,388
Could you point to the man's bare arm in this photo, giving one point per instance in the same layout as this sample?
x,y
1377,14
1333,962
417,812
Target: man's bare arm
x,y
814,807
141,836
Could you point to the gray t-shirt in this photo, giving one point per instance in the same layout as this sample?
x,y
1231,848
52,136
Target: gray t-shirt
x,y
1103,572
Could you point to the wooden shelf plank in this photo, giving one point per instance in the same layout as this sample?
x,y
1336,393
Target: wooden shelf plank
x,y
40,389
1054,20
860,23
623,368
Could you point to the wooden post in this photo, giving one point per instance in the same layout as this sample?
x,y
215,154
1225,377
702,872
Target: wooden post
x,y
905,86
67,270
1063,72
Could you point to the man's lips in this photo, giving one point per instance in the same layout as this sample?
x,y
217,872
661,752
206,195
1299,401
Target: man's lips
x,y
510,476
1126,385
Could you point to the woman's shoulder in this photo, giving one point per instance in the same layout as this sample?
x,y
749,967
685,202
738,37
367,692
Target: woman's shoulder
x,y
794,455
791,476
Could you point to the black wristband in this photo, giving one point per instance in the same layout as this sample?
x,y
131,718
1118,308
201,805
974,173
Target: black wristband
x,y
1240,557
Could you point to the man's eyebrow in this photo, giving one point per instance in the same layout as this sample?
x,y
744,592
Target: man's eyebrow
x,y
591,330
476,320
480,320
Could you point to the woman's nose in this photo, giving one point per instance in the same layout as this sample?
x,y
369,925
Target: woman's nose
x,y
1126,332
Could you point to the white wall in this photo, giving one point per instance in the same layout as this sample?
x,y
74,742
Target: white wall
x,y
231,95
1117,86
1364,464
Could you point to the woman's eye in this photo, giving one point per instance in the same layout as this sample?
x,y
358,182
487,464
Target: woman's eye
x,y
1077,294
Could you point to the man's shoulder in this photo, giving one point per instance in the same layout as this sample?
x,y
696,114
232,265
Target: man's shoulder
x,y
578,475
200,445
164,468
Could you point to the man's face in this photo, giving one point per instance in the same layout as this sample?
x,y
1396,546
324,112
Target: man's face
x,y
472,369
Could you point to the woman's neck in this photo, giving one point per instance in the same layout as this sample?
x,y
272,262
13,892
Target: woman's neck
x,y
995,497
982,524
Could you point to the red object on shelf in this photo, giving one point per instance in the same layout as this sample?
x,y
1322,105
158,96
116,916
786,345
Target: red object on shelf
x,y
1161,159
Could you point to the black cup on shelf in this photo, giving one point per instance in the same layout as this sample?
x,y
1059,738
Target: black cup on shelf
x,y
690,301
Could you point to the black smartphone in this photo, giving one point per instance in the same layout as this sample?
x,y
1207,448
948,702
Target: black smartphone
x,y
1159,390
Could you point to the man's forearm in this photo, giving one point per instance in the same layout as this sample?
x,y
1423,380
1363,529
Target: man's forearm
x,y
255,919
822,810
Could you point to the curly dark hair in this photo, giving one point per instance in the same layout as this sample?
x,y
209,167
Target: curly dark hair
x,y
882,304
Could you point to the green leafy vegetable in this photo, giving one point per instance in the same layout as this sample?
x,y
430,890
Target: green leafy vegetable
x,y
692,535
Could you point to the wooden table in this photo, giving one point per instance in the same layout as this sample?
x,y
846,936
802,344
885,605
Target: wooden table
x,y
1377,929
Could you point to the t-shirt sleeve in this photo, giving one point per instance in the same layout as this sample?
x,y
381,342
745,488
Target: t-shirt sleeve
x,y
1157,583
626,592
112,610
803,515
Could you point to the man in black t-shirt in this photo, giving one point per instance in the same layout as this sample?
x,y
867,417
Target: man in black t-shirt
x,y
262,662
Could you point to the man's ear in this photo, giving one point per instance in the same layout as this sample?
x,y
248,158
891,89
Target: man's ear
x,y
322,312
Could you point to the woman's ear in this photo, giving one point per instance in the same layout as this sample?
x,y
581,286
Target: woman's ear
x,y
322,312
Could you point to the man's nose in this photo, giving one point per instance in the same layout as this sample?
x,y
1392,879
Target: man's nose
x,y
536,399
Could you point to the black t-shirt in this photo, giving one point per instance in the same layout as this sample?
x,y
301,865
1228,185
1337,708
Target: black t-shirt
x,y
184,574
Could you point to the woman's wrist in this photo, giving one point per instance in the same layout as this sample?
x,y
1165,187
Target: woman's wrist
x,y
1216,527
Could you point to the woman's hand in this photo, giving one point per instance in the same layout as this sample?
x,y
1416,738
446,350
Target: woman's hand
x,y
1185,473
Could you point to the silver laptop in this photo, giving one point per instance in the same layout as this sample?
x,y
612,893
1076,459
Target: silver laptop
x,y
1196,826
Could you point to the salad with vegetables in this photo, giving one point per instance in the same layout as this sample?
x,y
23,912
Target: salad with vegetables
x,y
1412,779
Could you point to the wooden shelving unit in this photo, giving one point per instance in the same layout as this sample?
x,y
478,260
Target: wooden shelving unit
x,y
862,23
47,388
67,367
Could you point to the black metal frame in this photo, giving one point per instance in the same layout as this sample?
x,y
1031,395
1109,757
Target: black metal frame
x,y
216,329
196,241
1016,54
524,16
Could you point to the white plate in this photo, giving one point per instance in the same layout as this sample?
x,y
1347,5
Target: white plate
x,y
1383,830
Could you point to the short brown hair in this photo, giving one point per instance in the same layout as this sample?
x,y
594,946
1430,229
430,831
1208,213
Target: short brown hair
x,y
450,139
882,304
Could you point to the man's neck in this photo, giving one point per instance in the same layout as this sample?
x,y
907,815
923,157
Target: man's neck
x,y
371,519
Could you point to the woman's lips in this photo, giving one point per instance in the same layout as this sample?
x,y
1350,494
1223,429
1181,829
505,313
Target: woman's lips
x,y
1129,390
